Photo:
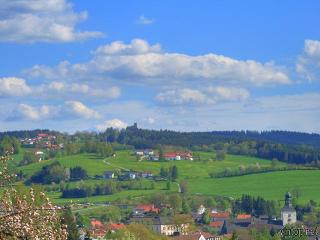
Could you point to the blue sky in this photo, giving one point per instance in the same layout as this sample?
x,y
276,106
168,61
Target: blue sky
x,y
195,65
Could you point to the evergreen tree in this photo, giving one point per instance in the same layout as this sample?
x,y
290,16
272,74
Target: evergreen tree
x,y
185,207
205,218
174,173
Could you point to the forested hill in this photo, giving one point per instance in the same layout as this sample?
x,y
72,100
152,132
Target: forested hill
x,y
25,133
285,137
187,139
145,138
291,147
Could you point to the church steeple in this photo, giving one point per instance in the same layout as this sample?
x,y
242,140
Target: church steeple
x,y
288,213
288,200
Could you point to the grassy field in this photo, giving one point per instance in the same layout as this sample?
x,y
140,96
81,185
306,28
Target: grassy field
x,y
123,159
271,185
93,164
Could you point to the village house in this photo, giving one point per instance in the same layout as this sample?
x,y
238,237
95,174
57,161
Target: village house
x,y
219,216
162,225
98,230
173,156
139,152
243,220
143,209
145,152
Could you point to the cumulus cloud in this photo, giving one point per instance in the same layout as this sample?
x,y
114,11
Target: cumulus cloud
x,y
78,109
68,110
308,64
12,86
113,123
18,87
140,62
228,93
41,21
143,20
57,87
182,96
210,95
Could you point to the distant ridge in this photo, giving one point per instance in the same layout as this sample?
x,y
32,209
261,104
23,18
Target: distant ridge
x,y
276,136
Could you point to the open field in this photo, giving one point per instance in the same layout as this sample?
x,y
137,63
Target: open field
x,y
93,164
123,159
268,185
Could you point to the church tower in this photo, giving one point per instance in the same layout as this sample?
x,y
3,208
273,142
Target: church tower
x,y
288,213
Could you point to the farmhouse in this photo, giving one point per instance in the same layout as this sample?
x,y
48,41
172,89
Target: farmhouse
x,y
173,156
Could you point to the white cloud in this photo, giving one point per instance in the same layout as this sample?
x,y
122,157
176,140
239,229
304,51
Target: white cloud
x,y
78,109
28,112
144,20
228,93
312,48
139,62
12,86
114,123
68,110
308,64
211,95
136,47
79,88
41,21
182,96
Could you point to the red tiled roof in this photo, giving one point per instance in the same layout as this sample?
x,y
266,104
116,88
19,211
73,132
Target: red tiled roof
x,y
216,224
170,155
115,226
148,208
243,216
220,215
96,224
43,135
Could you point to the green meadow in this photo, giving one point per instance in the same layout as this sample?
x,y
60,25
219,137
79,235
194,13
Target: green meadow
x,y
270,185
